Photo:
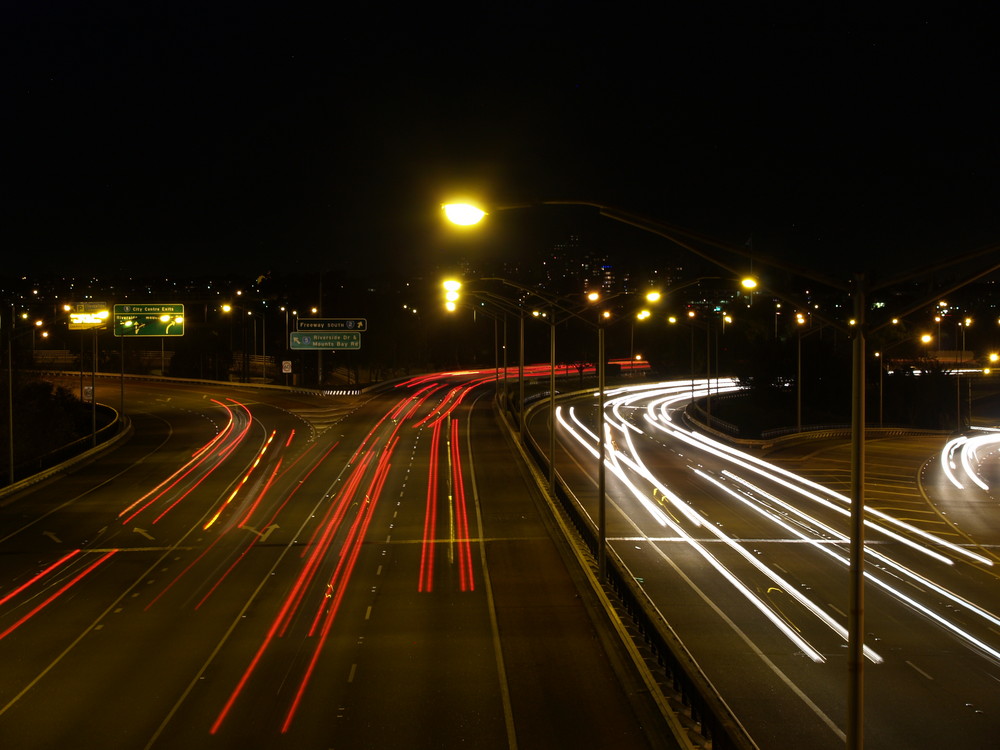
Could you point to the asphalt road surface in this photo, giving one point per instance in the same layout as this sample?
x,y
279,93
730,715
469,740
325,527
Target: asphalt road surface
x,y
265,569
747,559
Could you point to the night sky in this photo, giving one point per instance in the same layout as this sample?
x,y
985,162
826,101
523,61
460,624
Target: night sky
x,y
206,137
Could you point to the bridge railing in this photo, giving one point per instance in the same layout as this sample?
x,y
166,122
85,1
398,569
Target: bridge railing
x,y
687,683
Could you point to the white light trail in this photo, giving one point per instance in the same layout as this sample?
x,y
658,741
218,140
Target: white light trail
x,y
656,408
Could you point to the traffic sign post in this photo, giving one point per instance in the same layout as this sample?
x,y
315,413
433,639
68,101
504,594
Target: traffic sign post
x,y
149,320
331,324
324,340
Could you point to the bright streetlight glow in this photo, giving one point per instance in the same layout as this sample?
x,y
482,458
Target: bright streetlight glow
x,y
463,214
749,283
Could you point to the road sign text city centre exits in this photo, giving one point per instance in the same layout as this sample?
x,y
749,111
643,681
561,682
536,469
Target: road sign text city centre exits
x,y
331,324
149,320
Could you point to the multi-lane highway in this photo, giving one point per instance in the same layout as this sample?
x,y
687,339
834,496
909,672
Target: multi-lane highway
x,y
747,559
260,568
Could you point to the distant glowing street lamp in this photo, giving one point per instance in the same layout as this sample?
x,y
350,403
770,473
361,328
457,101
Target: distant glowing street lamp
x,y
463,214
451,294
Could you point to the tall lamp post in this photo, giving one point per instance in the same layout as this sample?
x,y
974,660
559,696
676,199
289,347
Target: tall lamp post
x,y
603,318
502,307
858,289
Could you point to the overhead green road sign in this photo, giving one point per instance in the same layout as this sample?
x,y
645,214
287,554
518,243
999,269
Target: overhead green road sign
x,y
325,340
149,320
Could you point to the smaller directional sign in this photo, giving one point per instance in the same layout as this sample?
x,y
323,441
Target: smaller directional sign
x,y
324,340
331,324
88,316
147,319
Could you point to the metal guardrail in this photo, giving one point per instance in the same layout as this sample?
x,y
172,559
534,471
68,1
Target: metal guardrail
x,y
118,428
714,721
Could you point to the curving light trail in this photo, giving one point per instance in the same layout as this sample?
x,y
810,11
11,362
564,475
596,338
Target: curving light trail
x,y
330,555
795,514
969,450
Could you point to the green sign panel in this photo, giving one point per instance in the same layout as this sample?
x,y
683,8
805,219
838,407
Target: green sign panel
x,y
149,320
331,324
325,340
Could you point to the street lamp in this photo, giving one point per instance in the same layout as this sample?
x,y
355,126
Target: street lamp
x,y
453,295
963,325
463,214
600,322
858,290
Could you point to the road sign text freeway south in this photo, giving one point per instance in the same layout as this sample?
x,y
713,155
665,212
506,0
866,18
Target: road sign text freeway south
x,y
331,324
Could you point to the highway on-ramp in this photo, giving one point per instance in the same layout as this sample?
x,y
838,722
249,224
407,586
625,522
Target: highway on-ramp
x,y
747,560
262,568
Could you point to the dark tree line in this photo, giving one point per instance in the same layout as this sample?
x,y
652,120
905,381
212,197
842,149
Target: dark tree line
x,y
44,419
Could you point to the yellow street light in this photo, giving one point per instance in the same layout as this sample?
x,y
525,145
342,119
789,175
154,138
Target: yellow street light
x,y
451,295
749,283
463,214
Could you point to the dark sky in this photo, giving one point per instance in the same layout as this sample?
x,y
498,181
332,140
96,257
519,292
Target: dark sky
x,y
198,137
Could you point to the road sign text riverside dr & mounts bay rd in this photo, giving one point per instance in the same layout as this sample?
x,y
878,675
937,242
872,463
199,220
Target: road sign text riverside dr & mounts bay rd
x,y
324,340
327,333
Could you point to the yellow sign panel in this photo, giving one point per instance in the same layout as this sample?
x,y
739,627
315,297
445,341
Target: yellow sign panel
x,y
84,321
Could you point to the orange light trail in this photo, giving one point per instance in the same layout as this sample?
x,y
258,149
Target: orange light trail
x,y
426,581
442,405
466,578
70,584
354,541
184,471
308,573
238,487
204,453
464,391
260,495
39,576
253,541
318,547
